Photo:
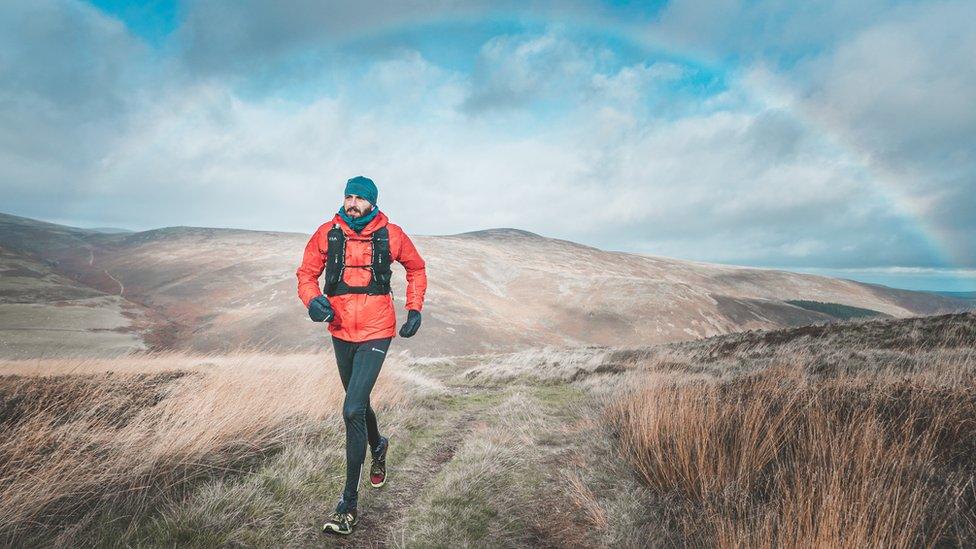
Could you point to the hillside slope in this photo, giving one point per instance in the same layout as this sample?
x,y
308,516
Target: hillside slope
x,y
212,289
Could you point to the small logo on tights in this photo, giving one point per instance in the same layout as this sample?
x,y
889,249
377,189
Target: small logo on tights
x,y
377,350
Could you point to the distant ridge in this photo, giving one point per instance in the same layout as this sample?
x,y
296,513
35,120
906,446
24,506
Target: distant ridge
x,y
969,296
493,290
110,230
502,232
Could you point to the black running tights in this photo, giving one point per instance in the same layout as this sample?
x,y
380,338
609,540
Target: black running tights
x,y
359,365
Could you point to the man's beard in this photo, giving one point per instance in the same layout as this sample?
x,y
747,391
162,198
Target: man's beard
x,y
354,212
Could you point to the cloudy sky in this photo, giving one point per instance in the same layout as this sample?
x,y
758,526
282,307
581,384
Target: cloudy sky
x,y
828,137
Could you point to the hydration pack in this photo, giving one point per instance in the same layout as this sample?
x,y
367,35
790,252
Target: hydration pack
x,y
379,282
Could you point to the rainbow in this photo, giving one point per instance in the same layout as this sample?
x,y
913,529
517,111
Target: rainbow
x,y
939,243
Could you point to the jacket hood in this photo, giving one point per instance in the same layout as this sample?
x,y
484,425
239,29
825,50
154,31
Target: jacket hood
x,y
379,221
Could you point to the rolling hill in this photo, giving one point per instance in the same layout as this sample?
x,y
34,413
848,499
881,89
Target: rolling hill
x,y
78,291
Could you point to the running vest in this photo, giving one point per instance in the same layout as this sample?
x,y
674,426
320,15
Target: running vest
x,y
379,283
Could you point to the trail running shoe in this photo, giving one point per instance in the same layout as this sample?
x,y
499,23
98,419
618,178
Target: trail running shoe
x,y
377,469
342,520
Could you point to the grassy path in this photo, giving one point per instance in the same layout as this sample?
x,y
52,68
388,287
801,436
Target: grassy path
x,y
410,470
466,467
470,464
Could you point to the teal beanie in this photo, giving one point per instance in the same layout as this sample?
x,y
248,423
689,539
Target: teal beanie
x,y
364,187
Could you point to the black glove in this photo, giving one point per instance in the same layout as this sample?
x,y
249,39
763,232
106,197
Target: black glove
x,y
319,309
411,325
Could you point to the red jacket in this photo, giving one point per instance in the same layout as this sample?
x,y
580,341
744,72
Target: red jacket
x,y
359,317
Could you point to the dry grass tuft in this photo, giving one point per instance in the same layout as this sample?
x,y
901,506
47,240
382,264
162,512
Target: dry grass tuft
x,y
128,431
584,499
778,458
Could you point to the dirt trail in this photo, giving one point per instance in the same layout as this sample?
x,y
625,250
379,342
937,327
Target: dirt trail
x,y
430,436
383,510
383,515
117,281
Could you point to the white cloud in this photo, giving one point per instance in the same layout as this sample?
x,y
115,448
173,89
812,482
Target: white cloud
x,y
70,77
902,91
740,179
720,186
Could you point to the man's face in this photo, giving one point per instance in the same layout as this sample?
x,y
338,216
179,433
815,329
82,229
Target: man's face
x,y
356,206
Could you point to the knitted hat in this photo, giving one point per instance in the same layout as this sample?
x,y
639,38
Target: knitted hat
x,y
364,187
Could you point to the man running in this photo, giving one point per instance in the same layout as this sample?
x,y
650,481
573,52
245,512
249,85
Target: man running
x,y
356,249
